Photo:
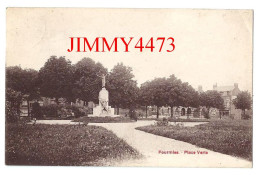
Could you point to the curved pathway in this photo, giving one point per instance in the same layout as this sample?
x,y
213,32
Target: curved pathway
x,y
149,145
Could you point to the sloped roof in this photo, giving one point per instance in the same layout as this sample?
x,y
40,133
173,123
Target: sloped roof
x,y
224,88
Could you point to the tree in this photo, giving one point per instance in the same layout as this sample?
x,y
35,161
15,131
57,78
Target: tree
x,y
157,89
180,94
189,96
87,84
122,88
173,92
168,92
24,81
210,99
145,97
243,101
56,78
12,105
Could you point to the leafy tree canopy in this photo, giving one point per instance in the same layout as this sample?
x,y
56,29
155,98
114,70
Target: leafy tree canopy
x,y
122,87
22,80
87,84
212,99
56,78
243,101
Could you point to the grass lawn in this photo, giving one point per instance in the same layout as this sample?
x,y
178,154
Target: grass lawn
x,y
176,119
232,137
64,145
103,120
188,120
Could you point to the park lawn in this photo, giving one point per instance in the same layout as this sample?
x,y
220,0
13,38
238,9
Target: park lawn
x,y
87,120
169,119
232,137
188,120
73,145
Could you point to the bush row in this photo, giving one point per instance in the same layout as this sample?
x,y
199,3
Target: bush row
x,y
57,111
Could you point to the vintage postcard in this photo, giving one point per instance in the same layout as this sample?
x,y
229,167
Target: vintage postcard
x,y
129,87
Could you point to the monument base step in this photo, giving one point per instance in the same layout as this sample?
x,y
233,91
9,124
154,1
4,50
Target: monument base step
x,y
91,115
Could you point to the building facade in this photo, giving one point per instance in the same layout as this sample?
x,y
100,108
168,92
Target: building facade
x,y
229,93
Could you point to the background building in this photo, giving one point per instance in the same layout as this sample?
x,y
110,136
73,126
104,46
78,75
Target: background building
x,y
229,93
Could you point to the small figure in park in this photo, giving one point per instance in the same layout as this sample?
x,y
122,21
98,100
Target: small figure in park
x,y
132,114
34,121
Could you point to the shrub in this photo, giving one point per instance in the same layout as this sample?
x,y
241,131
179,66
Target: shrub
x,y
62,111
50,110
232,116
205,113
163,122
196,113
11,114
77,111
246,116
36,111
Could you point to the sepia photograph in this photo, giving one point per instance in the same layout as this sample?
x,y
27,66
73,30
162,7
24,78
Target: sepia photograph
x,y
127,87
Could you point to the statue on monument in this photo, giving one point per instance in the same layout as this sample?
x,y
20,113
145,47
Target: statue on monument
x,y
103,76
103,109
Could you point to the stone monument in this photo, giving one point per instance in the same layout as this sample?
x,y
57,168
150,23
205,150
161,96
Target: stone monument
x,y
103,109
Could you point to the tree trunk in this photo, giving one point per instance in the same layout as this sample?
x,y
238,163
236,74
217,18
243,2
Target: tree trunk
x,y
208,108
18,110
146,112
157,115
117,111
28,108
188,115
171,111
57,100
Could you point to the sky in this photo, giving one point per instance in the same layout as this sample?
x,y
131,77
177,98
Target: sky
x,y
211,46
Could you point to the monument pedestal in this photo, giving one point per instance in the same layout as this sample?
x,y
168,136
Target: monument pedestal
x,y
98,111
103,110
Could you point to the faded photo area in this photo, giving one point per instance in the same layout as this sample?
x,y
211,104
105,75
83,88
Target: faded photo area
x,y
129,87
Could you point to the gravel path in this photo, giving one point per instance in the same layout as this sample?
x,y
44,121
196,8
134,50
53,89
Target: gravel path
x,y
149,145
56,122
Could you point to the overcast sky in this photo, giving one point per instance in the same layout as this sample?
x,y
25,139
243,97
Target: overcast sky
x,y
211,46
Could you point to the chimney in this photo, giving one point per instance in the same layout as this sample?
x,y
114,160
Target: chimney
x,y
236,85
215,86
